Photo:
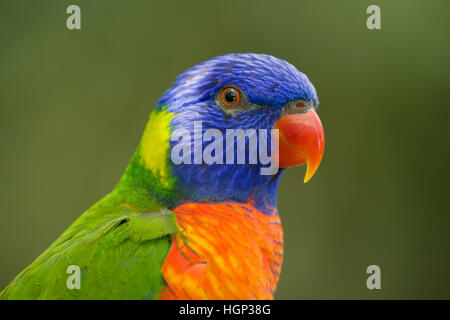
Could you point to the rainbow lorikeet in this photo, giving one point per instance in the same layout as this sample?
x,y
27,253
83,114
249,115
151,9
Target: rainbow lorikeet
x,y
192,229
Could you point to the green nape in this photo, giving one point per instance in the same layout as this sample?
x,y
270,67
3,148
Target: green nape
x,y
120,243
148,179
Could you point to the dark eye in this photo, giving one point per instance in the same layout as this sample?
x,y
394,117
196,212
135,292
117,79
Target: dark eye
x,y
230,97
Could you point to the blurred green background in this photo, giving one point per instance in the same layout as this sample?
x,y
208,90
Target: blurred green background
x,y
73,105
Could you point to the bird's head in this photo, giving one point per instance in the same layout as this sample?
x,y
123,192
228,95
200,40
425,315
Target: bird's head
x,y
208,138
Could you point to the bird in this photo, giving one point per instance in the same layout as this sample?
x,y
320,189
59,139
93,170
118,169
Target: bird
x,y
194,216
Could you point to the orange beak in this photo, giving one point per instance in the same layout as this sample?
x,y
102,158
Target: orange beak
x,y
301,140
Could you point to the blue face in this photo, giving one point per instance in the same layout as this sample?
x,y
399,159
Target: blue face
x,y
235,91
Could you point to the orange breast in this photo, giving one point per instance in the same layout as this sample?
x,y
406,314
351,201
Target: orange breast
x,y
224,251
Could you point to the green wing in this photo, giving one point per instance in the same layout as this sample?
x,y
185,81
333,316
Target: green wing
x,y
119,253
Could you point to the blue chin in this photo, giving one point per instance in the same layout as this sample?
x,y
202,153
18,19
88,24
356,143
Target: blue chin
x,y
219,183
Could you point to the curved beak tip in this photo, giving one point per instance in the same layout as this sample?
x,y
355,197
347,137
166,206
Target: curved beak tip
x,y
308,177
311,169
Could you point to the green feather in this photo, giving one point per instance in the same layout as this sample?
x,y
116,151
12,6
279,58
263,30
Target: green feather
x,y
119,244
120,255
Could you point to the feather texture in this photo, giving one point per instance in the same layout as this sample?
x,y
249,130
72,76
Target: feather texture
x,y
224,251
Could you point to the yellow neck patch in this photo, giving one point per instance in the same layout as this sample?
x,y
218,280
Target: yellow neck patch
x,y
155,145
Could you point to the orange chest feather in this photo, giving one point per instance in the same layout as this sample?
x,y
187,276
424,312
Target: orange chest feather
x,y
224,251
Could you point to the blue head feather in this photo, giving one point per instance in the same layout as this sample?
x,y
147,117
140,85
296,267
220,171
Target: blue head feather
x,y
267,82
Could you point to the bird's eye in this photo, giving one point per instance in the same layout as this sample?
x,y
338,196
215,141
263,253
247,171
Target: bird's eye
x,y
230,97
